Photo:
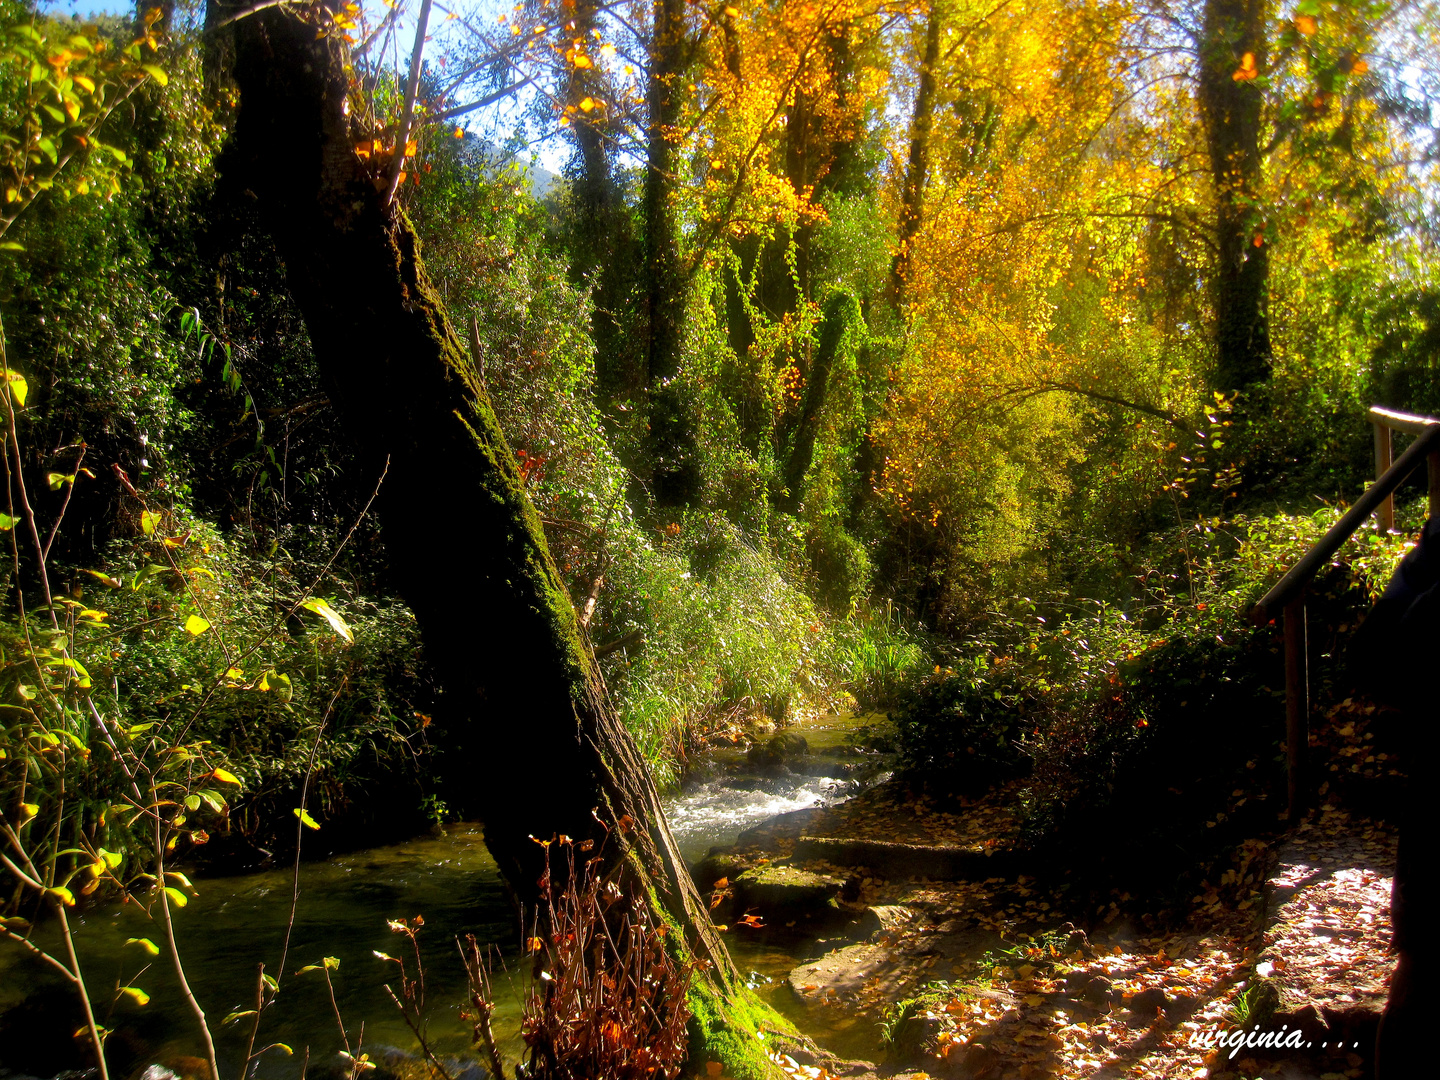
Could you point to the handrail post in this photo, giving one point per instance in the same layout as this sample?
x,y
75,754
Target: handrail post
x,y
1297,706
1433,467
1384,458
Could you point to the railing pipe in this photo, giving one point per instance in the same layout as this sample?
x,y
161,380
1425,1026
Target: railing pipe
x,y
1293,583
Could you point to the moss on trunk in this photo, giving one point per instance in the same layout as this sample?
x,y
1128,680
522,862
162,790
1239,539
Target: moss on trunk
x,y
535,745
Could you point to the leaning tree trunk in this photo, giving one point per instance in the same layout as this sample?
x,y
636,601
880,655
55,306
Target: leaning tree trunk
x,y
1232,57
534,738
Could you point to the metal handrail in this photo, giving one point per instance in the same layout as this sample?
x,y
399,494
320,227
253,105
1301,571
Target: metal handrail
x,y
1377,493
1288,595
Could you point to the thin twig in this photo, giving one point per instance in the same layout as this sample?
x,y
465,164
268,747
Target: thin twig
x,y
397,158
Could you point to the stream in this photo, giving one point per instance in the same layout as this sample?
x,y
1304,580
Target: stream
x,y
235,922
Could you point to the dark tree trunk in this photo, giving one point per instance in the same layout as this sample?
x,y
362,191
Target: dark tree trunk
x,y
841,313
674,466
917,168
604,235
534,747
1231,107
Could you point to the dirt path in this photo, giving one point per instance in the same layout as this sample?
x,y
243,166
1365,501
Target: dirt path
x,y
988,976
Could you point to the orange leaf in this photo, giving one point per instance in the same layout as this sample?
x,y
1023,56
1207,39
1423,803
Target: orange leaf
x,y
534,944
713,1068
1306,24
722,883
1246,71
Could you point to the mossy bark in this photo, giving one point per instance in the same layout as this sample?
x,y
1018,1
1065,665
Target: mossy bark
x,y
841,312
1232,59
673,464
535,745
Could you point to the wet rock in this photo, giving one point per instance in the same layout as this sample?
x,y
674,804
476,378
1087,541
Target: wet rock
x,y
714,867
788,826
781,892
830,770
897,861
778,749
772,785
885,918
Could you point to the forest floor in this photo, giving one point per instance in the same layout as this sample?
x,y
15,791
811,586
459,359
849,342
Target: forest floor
x,y
993,978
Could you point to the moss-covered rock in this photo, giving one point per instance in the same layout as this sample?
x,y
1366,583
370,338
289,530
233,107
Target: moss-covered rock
x,y
777,891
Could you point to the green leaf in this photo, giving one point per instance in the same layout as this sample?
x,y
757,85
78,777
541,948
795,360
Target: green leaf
x,y
15,924
147,946
237,1016
11,245
196,626
192,802
149,519
106,579
305,818
156,73
178,898
145,574
330,615
135,994
65,896
58,480
7,522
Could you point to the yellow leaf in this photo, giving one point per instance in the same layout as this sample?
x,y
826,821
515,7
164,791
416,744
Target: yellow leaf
x,y
156,73
587,104
65,896
18,386
196,625
149,519
459,133
329,614
412,148
305,818
225,776
583,61
148,946
733,12
135,994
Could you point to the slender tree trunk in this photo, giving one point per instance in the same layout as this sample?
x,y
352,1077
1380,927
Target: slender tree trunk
x,y
603,231
535,746
841,312
675,468
1232,56
917,168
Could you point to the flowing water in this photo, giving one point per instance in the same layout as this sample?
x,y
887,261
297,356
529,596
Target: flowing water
x,y
237,922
